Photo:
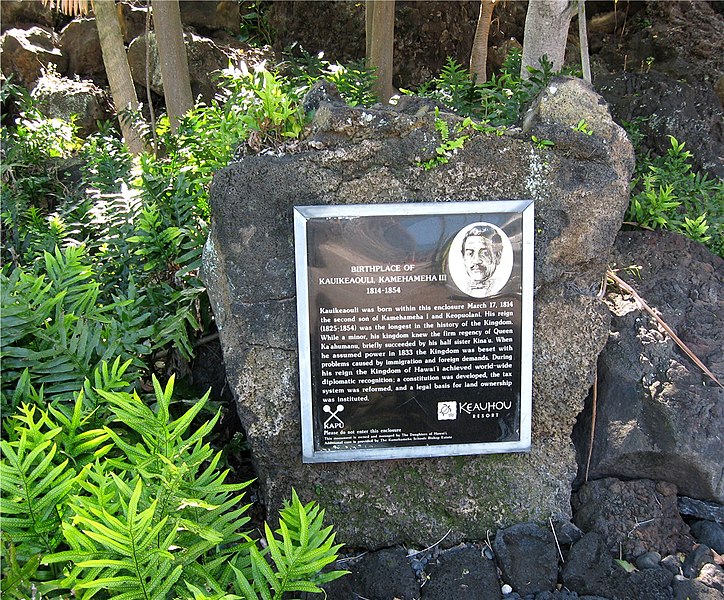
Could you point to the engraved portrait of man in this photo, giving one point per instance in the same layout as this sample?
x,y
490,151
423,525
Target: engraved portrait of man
x,y
480,260
482,249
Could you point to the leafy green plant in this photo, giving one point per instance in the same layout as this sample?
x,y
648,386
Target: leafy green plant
x,y
653,207
54,325
448,147
583,127
264,107
255,28
303,547
30,182
497,102
668,195
354,81
136,506
540,143
696,229
634,130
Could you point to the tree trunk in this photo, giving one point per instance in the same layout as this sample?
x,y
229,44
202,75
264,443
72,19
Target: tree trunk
x,y
173,59
583,41
546,31
118,72
380,37
479,54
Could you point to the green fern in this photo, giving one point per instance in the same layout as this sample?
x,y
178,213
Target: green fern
x,y
128,554
304,547
138,508
18,573
193,508
34,484
54,324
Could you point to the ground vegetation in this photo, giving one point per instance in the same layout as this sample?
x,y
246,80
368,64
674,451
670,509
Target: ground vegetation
x,y
103,308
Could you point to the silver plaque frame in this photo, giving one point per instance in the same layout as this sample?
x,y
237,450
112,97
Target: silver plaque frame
x,y
473,212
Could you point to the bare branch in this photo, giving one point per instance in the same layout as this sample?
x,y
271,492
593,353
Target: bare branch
x,y
640,301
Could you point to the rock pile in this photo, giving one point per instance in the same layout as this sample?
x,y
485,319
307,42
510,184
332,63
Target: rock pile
x,y
65,70
559,562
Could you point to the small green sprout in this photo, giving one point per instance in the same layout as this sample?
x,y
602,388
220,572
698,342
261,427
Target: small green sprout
x,y
583,127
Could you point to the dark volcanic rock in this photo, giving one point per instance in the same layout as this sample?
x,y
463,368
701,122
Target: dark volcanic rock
x,y
709,533
383,575
426,33
701,509
462,573
79,41
528,558
357,155
691,112
18,13
701,555
26,52
61,97
633,517
693,589
589,568
211,15
649,584
658,415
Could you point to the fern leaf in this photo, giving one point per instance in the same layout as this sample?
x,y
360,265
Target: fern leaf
x,y
264,578
302,586
276,554
32,488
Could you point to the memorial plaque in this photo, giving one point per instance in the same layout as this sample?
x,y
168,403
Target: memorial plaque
x,y
415,329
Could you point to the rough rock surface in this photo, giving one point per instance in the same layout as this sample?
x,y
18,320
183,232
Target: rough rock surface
x,y
664,106
709,533
378,576
694,589
79,41
590,569
357,155
527,557
60,97
658,415
648,36
26,52
589,565
17,13
426,33
205,57
633,517
211,16
132,20
461,573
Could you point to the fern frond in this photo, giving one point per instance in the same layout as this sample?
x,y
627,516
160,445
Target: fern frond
x,y
17,577
33,486
125,552
243,585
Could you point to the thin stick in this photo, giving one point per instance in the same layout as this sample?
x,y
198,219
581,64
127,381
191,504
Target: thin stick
x,y
206,339
149,99
555,537
593,421
640,524
430,547
627,288
349,558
